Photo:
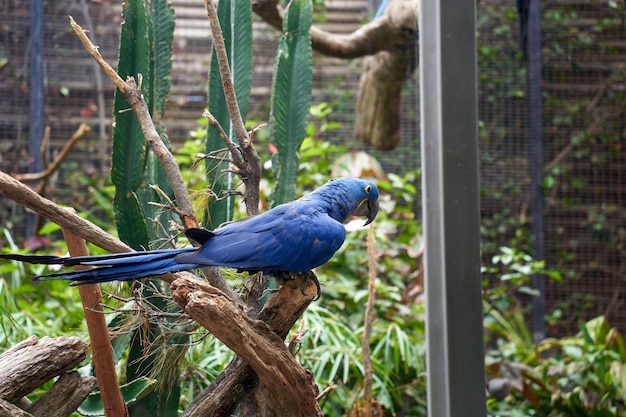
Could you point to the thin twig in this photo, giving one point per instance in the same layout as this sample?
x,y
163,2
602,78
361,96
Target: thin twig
x,y
95,53
170,204
326,391
369,319
43,148
80,133
234,152
250,169
229,90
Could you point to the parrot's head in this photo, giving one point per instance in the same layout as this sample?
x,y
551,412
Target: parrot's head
x,y
357,196
368,207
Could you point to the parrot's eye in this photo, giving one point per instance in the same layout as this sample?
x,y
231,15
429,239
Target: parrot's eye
x,y
368,189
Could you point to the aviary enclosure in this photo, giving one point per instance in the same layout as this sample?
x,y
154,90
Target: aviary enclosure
x,y
584,125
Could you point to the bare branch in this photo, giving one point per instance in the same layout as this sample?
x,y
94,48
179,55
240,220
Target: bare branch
x,y
95,53
386,33
292,389
102,352
80,133
369,320
250,169
24,195
234,152
229,90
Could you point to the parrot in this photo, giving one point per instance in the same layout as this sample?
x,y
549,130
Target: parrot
x,y
290,238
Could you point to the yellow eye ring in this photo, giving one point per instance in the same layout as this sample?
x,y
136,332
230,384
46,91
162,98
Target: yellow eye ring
x,y
368,189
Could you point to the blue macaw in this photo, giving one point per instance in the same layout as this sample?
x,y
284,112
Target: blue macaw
x,y
290,238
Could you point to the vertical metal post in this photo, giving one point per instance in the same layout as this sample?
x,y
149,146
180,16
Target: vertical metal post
x,y
35,85
535,164
455,353
36,96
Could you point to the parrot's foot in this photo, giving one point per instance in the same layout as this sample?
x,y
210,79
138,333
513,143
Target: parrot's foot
x,y
284,276
311,275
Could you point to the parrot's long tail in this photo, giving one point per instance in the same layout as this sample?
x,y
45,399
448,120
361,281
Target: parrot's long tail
x,y
114,267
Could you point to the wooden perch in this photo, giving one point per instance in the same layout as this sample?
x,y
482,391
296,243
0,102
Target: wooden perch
x,y
285,387
30,363
382,34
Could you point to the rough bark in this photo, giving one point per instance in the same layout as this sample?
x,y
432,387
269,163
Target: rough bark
x,y
379,99
30,363
64,397
10,410
382,34
263,357
384,73
389,44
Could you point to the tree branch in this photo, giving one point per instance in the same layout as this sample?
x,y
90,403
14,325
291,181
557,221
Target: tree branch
x,y
250,169
25,196
34,361
80,133
386,33
238,378
101,350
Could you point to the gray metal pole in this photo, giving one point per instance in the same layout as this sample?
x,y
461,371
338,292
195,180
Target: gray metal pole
x,y
36,98
535,164
455,353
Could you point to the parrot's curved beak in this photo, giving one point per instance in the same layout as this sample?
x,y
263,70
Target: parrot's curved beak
x,y
368,208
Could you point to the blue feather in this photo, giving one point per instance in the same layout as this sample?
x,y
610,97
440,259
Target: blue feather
x,y
293,237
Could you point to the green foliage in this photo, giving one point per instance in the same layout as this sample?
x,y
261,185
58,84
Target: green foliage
x,y
581,375
29,309
291,97
131,392
508,276
236,24
145,53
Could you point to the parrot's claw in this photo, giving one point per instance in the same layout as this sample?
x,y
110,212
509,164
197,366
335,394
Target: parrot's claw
x,y
311,275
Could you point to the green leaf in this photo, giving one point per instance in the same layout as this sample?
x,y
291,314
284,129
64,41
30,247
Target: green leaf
x,y
291,96
131,392
145,49
235,18
131,224
163,21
